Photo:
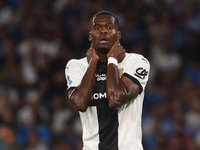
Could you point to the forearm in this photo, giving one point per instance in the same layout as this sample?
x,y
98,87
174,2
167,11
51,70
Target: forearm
x,y
80,97
116,91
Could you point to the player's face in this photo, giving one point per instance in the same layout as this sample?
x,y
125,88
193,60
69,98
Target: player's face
x,y
104,32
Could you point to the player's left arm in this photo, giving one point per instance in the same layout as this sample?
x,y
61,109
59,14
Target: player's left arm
x,y
120,91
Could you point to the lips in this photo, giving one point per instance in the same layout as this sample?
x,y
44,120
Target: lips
x,y
103,39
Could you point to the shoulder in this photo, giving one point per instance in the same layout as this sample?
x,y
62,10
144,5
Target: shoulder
x,y
77,65
77,62
135,58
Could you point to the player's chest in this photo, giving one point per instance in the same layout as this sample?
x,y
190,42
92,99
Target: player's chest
x,y
100,81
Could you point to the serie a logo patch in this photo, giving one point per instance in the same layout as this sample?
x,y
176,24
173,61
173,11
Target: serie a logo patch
x,y
121,71
69,81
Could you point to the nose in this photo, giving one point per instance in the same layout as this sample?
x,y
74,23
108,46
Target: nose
x,y
104,30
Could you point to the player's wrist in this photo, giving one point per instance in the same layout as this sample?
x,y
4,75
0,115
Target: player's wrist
x,y
94,61
111,55
112,60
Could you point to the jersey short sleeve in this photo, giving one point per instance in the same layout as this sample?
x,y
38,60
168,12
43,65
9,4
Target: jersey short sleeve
x,y
137,69
73,74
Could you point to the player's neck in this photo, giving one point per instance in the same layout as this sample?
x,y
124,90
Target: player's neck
x,y
102,57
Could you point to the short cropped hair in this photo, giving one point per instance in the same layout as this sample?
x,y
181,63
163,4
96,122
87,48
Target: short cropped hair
x,y
104,12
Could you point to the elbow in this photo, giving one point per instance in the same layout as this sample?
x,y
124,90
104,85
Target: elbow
x,y
81,108
78,105
114,102
78,101
112,106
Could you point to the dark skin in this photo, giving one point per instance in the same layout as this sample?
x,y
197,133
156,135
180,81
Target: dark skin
x,y
104,37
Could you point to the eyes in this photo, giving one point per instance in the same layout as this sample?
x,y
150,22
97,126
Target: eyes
x,y
108,28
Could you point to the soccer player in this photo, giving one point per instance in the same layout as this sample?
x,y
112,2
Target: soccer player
x,y
107,88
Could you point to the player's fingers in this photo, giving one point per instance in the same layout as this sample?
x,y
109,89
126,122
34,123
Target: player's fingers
x,y
89,49
124,50
118,42
92,46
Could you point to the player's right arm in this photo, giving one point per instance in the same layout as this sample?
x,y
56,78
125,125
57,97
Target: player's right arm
x,y
80,96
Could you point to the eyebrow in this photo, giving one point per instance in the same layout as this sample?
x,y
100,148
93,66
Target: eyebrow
x,y
96,24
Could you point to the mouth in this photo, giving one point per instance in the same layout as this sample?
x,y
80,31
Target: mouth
x,y
103,40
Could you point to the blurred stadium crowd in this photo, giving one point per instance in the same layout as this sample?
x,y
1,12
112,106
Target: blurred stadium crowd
x,y
38,37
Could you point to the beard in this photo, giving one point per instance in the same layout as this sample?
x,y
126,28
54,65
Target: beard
x,y
103,50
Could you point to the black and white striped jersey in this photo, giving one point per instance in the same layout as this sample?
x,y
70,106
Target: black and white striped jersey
x,y
105,128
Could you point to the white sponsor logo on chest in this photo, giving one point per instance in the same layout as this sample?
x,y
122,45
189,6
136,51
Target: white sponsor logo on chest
x,y
99,95
101,77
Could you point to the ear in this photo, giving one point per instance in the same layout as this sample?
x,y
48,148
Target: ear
x,y
119,35
90,37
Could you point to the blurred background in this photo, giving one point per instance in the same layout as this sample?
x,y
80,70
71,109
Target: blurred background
x,y
39,37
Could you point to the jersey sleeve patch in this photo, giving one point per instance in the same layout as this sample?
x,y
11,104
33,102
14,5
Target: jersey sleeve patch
x,y
69,81
73,73
137,67
141,73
